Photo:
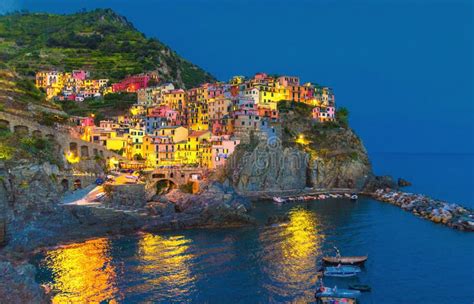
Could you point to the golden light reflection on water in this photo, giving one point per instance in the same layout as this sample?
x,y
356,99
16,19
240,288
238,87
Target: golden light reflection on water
x,y
290,255
166,262
82,273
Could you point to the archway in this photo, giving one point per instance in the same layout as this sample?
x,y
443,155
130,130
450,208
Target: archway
x,y
65,185
21,130
84,151
77,184
4,124
73,148
37,133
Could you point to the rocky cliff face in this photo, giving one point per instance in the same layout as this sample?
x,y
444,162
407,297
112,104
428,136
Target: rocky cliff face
x,y
28,188
307,154
268,166
339,160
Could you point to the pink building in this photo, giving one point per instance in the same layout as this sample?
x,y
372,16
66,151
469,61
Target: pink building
x,y
79,74
323,114
217,127
131,83
288,81
260,76
222,148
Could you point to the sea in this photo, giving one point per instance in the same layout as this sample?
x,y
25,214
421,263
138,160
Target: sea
x,y
411,260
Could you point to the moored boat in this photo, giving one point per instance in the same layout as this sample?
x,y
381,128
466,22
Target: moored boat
x,y
278,199
347,260
344,260
354,197
360,287
334,295
341,271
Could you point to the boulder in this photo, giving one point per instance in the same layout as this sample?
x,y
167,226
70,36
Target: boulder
x,y
380,182
403,183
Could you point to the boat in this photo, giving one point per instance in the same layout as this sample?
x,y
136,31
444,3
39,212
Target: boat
x,y
348,260
354,197
360,287
341,271
334,295
344,260
278,199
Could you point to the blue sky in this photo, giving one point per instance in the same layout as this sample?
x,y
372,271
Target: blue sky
x,y
403,68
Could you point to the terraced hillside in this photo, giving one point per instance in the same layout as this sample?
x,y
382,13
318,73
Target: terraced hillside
x,y
100,41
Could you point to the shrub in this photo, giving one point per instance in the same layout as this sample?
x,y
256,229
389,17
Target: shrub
x,y
342,116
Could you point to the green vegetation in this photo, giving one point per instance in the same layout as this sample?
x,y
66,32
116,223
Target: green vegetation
x,y
50,119
342,116
100,41
17,91
102,107
298,107
15,147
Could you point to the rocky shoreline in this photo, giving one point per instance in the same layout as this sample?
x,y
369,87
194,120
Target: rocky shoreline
x,y
216,206
437,211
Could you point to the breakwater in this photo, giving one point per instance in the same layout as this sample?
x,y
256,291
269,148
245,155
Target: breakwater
x,y
452,215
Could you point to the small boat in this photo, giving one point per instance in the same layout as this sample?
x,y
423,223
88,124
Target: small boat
x,y
278,199
344,260
334,295
341,271
360,287
348,260
354,197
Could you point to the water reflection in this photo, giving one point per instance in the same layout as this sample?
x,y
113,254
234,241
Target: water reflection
x,y
290,253
165,262
82,273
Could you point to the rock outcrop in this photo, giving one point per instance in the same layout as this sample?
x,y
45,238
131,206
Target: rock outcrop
x,y
215,206
126,195
325,158
28,188
268,167
17,285
437,211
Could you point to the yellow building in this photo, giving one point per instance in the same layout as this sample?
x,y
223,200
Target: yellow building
x,y
176,133
137,109
176,99
189,151
135,142
269,97
116,142
219,107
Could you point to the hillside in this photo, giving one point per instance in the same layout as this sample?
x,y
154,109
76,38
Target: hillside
x,y
100,41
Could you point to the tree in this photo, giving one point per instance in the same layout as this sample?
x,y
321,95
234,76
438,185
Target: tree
x,y
342,116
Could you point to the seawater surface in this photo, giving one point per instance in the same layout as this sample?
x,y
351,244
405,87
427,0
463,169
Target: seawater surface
x,y
410,260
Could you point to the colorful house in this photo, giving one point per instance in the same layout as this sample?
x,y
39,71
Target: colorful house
x,y
323,114
131,83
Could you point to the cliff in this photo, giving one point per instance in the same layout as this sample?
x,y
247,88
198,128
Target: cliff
x,y
304,154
